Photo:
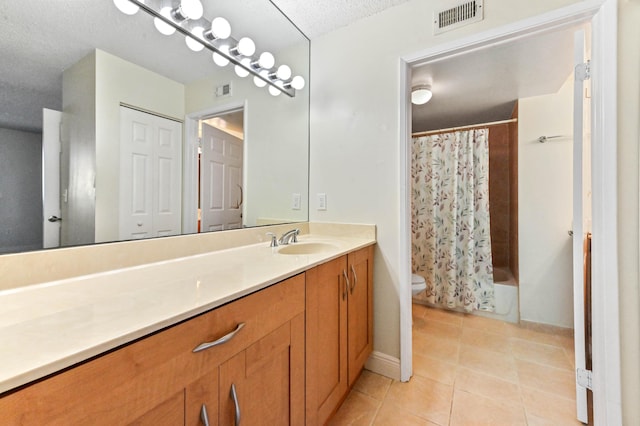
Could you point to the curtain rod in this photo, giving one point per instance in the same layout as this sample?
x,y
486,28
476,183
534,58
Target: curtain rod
x,y
471,126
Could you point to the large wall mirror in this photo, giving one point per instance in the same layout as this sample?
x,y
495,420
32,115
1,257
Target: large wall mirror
x,y
111,131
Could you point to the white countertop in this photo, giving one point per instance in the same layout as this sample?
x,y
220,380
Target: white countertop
x,y
47,327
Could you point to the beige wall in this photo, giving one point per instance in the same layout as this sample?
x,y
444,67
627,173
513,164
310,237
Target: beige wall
x,y
628,188
354,120
354,129
545,208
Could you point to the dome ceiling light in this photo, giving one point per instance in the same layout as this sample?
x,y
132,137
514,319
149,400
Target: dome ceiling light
x,y
420,95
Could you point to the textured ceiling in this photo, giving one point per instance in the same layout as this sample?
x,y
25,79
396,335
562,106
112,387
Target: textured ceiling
x,y
317,17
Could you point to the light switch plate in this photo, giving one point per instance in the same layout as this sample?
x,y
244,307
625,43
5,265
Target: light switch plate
x,y
295,201
322,201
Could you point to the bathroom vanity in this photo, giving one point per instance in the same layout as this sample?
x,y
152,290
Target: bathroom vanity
x,y
248,334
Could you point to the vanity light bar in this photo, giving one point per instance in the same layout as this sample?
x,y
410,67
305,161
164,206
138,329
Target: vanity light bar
x,y
184,27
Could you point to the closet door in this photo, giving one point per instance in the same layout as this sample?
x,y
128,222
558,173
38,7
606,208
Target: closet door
x,y
150,175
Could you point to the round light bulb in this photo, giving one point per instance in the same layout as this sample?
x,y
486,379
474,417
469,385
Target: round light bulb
x,y
191,9
273,91
241,72
284,72
220,28
421,95
266,61
126,7
246,46
297,82
220,60
260,82
161,26
192,43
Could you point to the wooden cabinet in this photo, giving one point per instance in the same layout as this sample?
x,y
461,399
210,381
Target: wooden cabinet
x,y
339,313
159,380
326,327
264,384
285,355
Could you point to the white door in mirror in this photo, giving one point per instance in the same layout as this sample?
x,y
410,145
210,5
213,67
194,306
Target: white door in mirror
x,y
51,121
221,180
150,160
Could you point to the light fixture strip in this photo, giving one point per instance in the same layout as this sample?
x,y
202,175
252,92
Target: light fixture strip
x,y
144,5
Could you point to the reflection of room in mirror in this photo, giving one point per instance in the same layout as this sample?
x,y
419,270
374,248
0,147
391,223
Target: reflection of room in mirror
x,y
221,171
117,57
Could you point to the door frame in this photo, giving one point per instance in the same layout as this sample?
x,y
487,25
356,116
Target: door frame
x,y
190,160
605,321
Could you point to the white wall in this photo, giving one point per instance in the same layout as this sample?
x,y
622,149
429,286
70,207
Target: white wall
x,y
78,158
276,138
354,129
545,207
120,81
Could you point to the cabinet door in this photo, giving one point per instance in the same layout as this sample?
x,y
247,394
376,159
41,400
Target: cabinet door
x,y
360,310
326,339
201,401
169,413
264,384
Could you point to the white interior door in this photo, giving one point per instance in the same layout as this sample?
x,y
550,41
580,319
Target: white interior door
x,y
221,192
579,232
150,175
51,122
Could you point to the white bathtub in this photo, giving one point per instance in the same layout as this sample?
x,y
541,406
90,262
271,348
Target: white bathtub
x,y
506,293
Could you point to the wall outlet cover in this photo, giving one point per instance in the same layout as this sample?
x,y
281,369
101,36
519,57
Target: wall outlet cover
x,y
295,201
322,201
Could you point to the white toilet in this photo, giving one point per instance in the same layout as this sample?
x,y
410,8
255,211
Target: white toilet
x,y
418,284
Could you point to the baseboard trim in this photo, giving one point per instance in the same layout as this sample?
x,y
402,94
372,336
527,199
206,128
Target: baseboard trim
x,y
384,365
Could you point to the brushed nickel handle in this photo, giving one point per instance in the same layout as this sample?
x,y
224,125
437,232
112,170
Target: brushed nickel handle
x,y
54,219
346,284
355,278
234,396
204,416
220,341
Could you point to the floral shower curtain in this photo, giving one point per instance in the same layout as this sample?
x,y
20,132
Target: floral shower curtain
x,y
451,243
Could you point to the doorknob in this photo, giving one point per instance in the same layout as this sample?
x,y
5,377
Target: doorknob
x,y
54,219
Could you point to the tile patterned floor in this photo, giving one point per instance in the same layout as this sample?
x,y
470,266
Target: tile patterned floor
x,y
470,370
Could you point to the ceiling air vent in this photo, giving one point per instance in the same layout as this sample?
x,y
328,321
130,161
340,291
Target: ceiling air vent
x,y
457,16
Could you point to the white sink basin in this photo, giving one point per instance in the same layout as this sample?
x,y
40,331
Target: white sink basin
x,y
306,248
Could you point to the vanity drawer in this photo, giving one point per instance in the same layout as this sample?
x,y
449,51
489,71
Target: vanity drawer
x,y
260,312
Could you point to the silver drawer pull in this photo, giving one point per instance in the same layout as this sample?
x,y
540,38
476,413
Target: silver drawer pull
x,y
220,341
355,279
234,396
346,284
204,416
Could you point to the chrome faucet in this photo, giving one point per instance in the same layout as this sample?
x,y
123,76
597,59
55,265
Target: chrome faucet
x,y
289,237
274,239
